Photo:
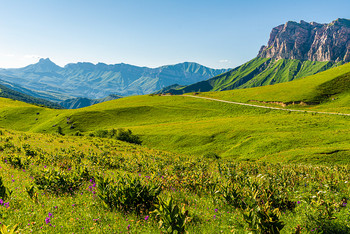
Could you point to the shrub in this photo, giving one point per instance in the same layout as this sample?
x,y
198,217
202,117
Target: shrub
x,y
126,135
211,155
120,134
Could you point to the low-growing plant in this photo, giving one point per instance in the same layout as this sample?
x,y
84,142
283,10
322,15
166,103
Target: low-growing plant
x,y
4,192
172,218
16,161
7,230
128,194
262,219
32,194
57,181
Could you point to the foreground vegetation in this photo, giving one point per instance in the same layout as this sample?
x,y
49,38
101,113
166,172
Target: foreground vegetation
x,y
53,183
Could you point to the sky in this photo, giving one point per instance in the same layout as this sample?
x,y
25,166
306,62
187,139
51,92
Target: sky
x,y
152,33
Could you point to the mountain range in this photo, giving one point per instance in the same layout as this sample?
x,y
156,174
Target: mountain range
x,y
98,81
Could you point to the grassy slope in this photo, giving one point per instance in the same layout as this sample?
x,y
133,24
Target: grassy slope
x,y
192,126
258,72
6,92
324,86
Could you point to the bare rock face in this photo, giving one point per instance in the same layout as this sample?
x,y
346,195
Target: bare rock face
x,y
309,41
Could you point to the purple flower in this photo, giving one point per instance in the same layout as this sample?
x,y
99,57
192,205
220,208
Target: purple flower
x,y
298,202
146,218
344,204
216,210
94,185
47,220
1,202
50,214
128,227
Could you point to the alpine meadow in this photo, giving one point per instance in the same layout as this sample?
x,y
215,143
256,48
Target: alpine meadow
x,y
263,147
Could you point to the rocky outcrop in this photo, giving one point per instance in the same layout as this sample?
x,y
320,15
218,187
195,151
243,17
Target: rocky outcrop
x,y
309,41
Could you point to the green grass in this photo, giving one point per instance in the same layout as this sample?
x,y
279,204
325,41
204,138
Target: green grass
x,y
191,126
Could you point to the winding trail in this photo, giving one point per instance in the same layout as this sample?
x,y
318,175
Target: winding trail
x,y
266,107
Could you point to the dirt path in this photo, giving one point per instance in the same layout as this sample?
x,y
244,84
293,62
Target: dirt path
x,y
266,107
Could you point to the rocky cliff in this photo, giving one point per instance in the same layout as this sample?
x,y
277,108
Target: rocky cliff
x,y
309,41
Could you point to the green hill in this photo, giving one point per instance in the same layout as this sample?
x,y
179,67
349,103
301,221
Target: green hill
x,y
6,92
257,72
329,89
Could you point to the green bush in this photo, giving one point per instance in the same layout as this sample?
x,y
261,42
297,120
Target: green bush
x,y
172,218
59,182
119,134
128,194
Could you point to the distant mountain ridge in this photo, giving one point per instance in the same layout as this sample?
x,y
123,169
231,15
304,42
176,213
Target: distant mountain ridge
x,y
100,80
7,92
76,103
309,41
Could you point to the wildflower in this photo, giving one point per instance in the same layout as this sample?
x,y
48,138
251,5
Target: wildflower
x,y
146,218
1,202
47,220
344,204
216,210
298,202
50,214
128,227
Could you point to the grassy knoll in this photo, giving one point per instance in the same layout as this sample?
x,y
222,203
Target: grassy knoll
x,y
65,184
330,88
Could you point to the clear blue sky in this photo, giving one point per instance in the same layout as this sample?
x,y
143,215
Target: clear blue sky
x,y
217,33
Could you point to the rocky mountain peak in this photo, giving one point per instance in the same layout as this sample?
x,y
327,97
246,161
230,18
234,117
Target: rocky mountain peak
x,y
44,65
309,41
